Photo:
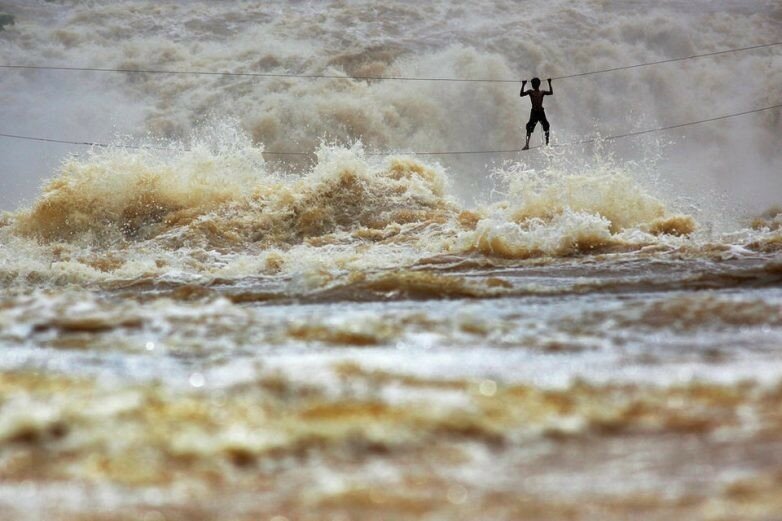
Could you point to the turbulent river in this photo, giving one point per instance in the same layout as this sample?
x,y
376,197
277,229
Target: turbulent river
x,y
193,327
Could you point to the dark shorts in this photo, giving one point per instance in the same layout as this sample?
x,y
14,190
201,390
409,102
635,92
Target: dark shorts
x,y
534,117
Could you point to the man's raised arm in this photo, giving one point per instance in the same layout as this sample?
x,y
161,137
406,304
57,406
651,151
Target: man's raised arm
x,y
550,90
522,93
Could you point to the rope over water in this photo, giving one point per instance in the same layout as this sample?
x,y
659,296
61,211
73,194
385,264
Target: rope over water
x,y
394,78
418,153
373,78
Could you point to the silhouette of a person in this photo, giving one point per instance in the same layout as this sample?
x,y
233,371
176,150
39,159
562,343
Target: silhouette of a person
x,y
537,113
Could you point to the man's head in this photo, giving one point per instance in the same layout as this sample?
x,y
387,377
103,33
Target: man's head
x,y
535,83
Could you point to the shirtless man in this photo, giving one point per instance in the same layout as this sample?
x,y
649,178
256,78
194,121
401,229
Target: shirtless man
x,y
537,113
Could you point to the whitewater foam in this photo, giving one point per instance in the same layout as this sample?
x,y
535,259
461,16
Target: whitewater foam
x,y
217,209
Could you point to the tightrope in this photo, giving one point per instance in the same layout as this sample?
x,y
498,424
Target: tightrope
x,y
417,153
373,78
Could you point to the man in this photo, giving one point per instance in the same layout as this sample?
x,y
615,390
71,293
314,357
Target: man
x,y
537,113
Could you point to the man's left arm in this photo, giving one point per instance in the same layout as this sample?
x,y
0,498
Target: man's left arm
x,y
550,90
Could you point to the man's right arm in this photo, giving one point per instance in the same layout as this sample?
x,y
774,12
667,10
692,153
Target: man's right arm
x,y
522,93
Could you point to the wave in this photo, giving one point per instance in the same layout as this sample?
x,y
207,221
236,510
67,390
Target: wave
x,y
229,198
228,190
219,210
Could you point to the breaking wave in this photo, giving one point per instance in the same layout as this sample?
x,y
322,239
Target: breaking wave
x,y
218,208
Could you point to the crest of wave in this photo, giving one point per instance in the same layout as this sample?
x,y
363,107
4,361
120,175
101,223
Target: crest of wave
x,y
344,197
569,208
125,193
220,194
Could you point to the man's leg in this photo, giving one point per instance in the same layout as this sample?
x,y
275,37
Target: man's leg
x,y
546,127
530,127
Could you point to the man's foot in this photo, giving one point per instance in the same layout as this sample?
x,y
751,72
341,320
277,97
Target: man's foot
x,y
526,147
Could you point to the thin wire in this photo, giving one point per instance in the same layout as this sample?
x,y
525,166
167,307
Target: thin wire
x,y
670,60
136,147
443,153
377,78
